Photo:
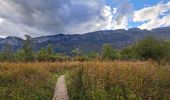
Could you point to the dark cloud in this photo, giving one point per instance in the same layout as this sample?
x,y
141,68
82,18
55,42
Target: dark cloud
x,y
48,16
42,17
124,9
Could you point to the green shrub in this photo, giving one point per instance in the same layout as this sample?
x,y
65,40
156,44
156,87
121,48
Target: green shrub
x,y
108,52
148,48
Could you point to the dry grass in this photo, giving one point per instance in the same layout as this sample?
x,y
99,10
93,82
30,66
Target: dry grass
x,y
119,81
30,81
86,81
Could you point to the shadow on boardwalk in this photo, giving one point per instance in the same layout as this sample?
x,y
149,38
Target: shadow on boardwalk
x,y
61,90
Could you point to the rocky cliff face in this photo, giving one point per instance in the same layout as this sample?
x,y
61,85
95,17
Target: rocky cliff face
x,y
90,41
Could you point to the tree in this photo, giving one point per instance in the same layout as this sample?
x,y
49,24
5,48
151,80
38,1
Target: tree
x,y
108,52
8,53
76,52
28,49
46,54
19,56
150,48
129,53
166,50
92,55
50,50
42,55
1,57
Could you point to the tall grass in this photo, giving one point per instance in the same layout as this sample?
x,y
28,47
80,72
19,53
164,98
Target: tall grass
x,y
119,81
85,80
30,81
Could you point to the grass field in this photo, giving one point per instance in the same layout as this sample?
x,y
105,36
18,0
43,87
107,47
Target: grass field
x,y
30,81
119,81
116,80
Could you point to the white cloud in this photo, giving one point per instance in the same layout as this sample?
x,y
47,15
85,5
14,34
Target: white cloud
x,y
37,18
1,20
153,17
95,3
102,22
8,28
166,20
111,15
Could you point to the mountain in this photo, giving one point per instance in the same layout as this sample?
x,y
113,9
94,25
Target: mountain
x,y
92,41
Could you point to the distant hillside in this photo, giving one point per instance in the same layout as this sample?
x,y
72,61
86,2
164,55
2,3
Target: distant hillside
x,y
90,41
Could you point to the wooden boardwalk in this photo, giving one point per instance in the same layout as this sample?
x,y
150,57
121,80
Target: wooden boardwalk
x,y
61,90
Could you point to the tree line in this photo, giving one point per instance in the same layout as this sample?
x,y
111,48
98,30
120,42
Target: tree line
x,y
148,48
27,54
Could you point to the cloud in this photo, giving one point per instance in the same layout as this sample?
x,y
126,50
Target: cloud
x,y
120,15
94,3
10,29
40,17
112,22
1,20
153,17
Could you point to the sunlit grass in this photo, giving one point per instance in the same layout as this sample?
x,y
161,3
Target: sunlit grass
x,y
30,81
119,81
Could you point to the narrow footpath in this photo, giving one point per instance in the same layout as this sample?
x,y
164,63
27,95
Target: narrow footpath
x,y
61,90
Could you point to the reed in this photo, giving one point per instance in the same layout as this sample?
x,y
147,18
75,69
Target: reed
x,y
31,81
119,80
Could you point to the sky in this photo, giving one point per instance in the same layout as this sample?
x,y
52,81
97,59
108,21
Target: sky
x,y
49,17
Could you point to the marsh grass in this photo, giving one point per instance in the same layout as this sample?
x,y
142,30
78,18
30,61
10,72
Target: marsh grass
x,y
119,81
116,80
30,81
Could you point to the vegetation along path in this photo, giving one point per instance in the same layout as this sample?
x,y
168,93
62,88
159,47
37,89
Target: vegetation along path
x,y
61,90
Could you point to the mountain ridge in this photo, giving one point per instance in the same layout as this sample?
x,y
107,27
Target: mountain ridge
x,y
92,41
